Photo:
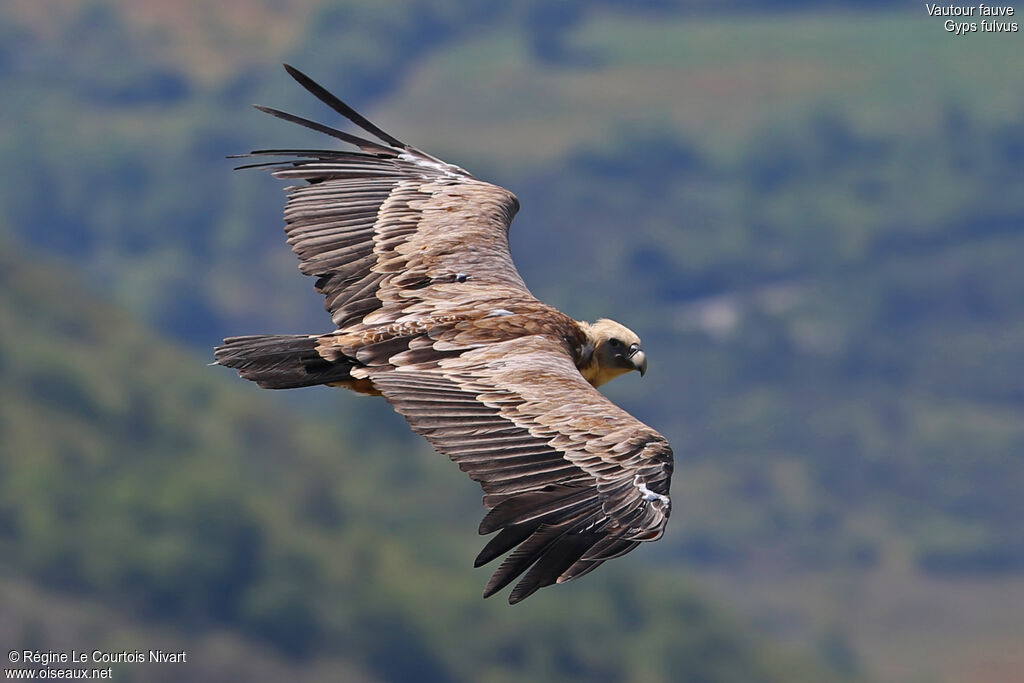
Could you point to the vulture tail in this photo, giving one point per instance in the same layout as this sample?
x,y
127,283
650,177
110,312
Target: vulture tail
x,y
281,361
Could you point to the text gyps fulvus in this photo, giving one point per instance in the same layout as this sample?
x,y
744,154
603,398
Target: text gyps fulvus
x,y
412,255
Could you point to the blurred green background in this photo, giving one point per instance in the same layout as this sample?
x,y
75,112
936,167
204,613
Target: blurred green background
x,y
811,212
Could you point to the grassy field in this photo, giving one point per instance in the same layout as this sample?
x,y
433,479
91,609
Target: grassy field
x,y
714,79
900,627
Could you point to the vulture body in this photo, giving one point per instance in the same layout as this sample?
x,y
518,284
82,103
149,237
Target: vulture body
x,y
412,256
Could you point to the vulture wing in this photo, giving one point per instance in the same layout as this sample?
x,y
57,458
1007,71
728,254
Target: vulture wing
x,y
385,229
570,479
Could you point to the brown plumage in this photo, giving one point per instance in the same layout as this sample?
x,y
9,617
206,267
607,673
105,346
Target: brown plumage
x,y
412,256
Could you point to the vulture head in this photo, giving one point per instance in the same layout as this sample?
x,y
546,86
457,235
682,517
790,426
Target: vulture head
x,y
617,350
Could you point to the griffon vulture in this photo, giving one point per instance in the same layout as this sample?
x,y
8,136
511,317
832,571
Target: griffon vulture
x,y
412,255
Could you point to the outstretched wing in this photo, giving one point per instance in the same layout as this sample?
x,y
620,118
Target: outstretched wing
x,y
570,479
390,230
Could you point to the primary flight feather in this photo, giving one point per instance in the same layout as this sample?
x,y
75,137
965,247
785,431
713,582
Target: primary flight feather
x,y
412,256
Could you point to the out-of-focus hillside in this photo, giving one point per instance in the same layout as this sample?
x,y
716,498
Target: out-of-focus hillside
x,y
145,499
814,220
207,41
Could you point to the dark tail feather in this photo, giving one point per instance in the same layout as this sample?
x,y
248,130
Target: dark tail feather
x,y
281,361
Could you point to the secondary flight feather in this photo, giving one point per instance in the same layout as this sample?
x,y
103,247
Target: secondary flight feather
x,y
411,254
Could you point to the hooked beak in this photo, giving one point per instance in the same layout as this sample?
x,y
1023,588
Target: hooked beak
x,y
638,358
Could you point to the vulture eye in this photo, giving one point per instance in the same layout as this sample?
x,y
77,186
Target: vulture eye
x,y
616,344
